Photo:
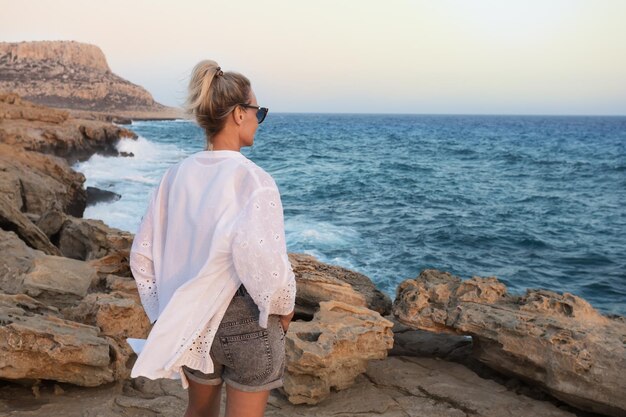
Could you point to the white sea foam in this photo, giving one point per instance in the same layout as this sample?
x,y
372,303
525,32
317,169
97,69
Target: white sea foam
x,y
132,177
307,233
140,179
140,147
341,261
119,214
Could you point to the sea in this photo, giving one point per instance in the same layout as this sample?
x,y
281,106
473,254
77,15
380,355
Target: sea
x,y
537,201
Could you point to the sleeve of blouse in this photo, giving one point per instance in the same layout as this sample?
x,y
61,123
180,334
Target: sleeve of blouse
x,y
142,266
260,255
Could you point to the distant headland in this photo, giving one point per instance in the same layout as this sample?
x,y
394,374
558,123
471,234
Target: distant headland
x,y
75,76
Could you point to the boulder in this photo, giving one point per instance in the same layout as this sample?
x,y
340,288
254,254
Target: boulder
x,y
329,359
121,284
54,280
14,220
36,183
115,263
17,259
96,195
117,314
556,340
89,239
318,282
50,223
10,184
35,344
331,350
59,281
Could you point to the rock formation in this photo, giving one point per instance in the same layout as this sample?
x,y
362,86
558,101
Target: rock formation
x,y
40,345
331,350
42,129
68,54
41,336
556,340
13,219
318,282
39,189
72,75
61,318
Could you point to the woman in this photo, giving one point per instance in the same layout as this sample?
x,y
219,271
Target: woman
x,y
210,260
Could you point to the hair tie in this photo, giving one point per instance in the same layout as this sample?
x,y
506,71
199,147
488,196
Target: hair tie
x,y
219,71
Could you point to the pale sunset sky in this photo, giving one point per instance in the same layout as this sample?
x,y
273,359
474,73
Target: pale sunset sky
x,y
439,56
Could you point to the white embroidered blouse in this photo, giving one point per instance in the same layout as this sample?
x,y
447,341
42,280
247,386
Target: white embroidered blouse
x,y
215,221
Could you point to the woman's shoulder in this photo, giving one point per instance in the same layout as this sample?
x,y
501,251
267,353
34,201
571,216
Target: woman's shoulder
x,y
256,175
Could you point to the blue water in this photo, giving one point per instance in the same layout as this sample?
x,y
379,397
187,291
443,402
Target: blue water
x,y
537,201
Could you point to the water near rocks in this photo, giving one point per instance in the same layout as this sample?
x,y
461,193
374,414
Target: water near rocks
x,y
536,201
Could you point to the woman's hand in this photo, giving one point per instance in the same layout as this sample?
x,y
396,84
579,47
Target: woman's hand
x,y
286,319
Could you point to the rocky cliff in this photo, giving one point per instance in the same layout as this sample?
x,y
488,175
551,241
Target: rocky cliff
x,y
72,75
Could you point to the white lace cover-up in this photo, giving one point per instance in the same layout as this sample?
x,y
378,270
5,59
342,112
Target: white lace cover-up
x,y
215,221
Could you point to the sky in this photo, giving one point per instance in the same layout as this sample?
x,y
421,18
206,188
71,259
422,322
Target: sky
x,y
344,56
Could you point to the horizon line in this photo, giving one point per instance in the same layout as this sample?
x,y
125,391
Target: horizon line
x,y
443,114
460,114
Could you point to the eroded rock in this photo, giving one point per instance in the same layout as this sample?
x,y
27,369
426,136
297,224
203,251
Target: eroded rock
x,y
89,239
17,259
25,127
116,263
36,344
557,340
116,314
14,220
318,282
36,183
59,280
39,293
331,350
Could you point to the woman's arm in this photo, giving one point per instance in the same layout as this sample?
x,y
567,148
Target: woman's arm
x,y
260,255
142,266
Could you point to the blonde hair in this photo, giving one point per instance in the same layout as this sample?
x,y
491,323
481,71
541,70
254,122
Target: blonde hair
x,y
213,94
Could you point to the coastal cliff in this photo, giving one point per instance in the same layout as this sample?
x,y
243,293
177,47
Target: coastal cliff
x,y
75,76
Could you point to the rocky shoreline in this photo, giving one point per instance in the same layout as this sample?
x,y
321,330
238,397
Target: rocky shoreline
x,y
443,347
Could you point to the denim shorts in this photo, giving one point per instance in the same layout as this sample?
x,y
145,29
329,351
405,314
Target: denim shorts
x,y
245,355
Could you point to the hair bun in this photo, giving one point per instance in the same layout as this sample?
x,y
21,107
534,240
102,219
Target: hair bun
x,y
212,95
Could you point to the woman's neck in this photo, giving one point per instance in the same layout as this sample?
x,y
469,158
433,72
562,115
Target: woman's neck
x,y
226,141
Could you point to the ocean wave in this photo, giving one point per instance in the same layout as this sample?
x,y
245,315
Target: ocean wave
x,y
141,179
587,259
318,234
140,147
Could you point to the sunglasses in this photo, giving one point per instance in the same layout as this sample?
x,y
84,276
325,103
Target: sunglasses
x,y
261,112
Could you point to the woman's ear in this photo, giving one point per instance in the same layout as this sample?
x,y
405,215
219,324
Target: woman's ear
x,y
238,115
